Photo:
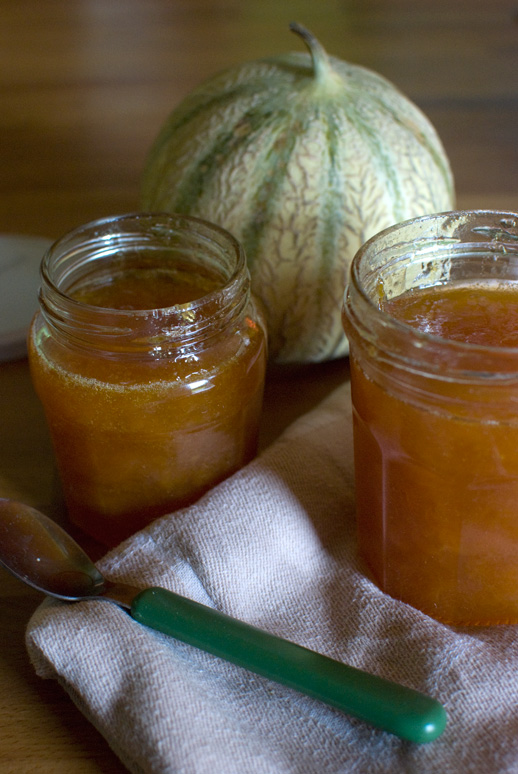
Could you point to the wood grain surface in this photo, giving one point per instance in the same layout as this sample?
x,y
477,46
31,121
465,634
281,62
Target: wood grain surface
x,y
84,88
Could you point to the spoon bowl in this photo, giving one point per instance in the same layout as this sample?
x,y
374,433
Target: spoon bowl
x,y
39,552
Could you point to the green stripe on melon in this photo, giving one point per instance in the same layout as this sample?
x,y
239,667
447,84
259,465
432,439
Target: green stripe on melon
x,y
302,157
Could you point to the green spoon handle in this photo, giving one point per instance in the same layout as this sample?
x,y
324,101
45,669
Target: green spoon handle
x,y
401,711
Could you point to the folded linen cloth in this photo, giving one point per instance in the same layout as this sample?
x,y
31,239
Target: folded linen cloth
x,y
275,546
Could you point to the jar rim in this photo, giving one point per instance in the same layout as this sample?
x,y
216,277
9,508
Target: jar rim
x,y
140,218
201,245
447,232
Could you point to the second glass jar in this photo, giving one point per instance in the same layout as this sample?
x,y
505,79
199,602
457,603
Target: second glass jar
x,y
436,419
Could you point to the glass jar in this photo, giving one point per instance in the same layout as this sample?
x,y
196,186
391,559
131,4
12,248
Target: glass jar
x,y
148,355
436,423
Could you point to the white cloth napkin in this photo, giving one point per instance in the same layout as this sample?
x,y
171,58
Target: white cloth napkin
x,y
275,546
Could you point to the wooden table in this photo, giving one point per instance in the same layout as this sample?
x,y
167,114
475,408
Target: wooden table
x,y
84,87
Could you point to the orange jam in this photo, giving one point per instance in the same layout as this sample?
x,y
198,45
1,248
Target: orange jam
x,y
151,376
483,313
437,474
145,289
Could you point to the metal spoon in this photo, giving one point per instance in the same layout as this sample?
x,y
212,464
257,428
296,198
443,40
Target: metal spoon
x,y
39,552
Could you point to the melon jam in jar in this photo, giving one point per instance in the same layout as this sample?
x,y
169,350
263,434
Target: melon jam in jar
x,y
148,355
431,313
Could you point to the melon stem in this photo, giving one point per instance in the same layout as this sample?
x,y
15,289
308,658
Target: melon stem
x,y
321,66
